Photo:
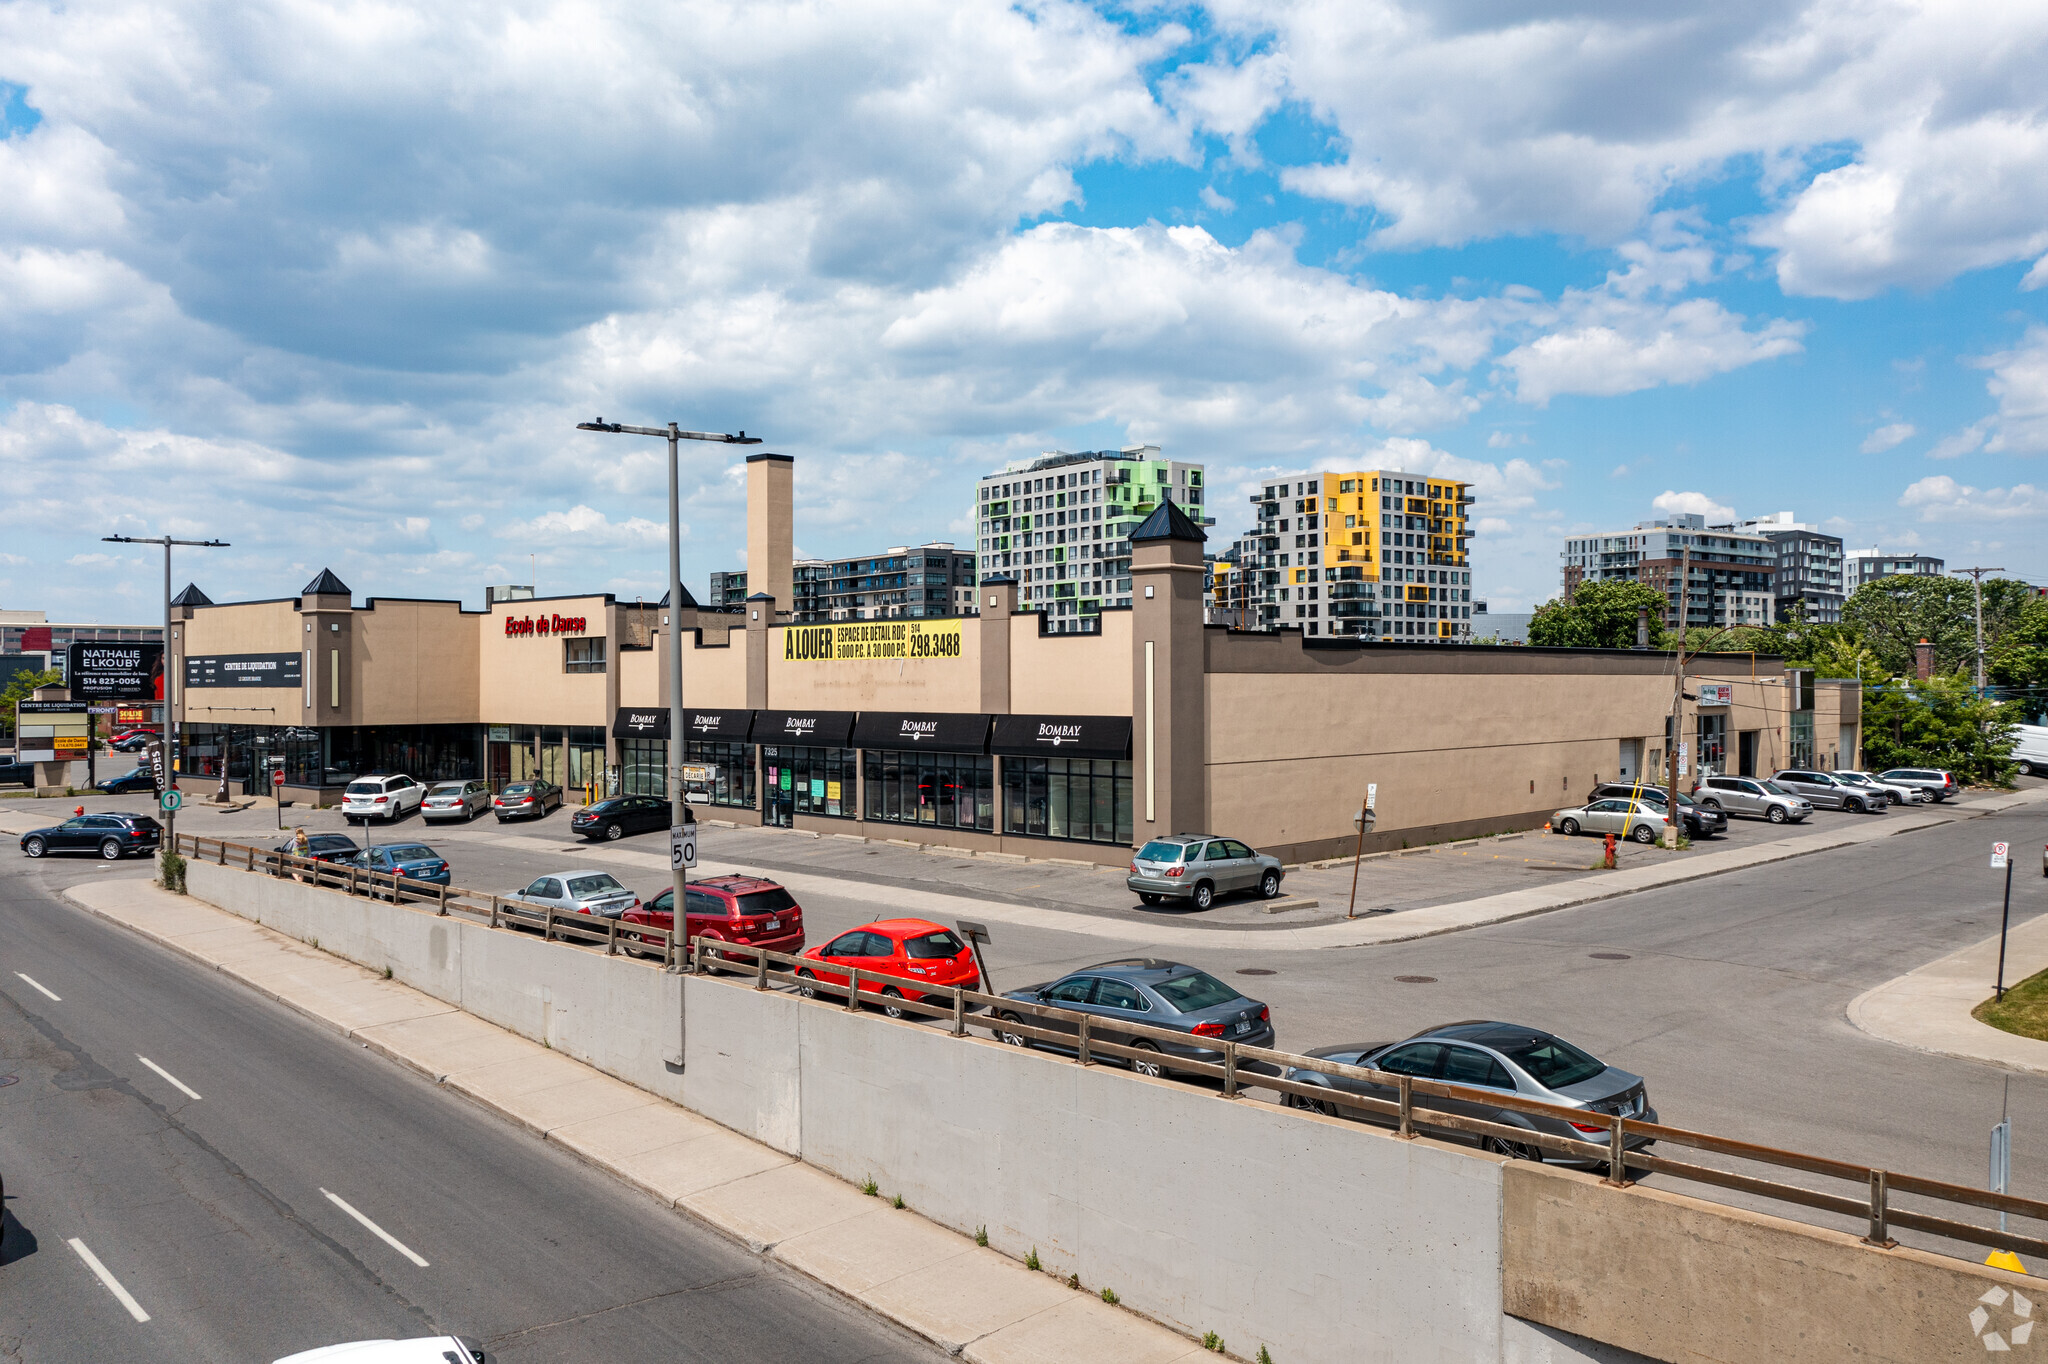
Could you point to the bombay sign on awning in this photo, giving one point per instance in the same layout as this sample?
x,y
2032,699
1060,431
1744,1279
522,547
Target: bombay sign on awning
x,y
949,731
1062,736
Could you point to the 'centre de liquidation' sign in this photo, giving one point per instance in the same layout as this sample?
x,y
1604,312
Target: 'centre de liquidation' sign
x,y
908,639
243,670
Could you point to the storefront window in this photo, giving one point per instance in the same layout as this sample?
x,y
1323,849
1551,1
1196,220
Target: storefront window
x,y
1084,799
1802,738
644,769
809,781
946,790
1713,744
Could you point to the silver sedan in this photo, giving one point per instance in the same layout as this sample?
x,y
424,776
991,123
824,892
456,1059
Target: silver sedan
x,y
586,891
456,800
1634,819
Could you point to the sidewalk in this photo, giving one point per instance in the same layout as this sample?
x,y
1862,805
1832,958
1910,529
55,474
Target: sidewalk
x,y
1929,1009
967,1299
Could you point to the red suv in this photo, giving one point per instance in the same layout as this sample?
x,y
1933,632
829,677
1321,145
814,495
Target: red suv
x,y
740,909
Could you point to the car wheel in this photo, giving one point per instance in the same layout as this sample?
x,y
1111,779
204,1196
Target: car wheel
x,y
893,1010
1711,803
1204,896
35,847
807,985
1141,1065
2026,768
1269,884
613,833
1308,1105
111,849
1568,827
1513,1150
1011,1039
1643,833
1777,814
1148,897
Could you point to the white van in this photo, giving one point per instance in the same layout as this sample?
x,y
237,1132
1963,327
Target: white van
x,y
2031,752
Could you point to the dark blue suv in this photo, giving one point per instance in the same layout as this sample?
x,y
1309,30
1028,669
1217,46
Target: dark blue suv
x,y
111,835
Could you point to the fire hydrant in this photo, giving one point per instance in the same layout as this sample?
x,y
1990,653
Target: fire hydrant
x,y
1609,862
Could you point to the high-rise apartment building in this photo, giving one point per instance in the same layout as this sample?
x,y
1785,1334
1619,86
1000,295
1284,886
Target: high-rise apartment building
x,y
1868,565
1235,594
1733,572
1808,576
902,582
1371,554
1061,526
728,591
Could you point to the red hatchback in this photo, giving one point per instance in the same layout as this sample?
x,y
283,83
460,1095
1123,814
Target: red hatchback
x,y
740,909
918,951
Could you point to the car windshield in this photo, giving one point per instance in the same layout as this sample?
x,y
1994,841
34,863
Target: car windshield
x,y
1774,788
600,884
766,901
1194,991
414,853
366,788
1554,1063
931,945
1156,851
447,788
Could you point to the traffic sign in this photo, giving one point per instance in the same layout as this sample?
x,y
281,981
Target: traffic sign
x,y
277,777
172,799
1998,855
682,846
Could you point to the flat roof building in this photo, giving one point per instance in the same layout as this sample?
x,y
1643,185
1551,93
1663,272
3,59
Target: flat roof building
x,y
1733,573
1868,565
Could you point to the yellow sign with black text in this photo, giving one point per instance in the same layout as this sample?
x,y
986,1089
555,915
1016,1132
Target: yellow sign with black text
x,y
913,640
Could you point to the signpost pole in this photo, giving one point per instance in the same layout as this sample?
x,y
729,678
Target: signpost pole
x,y
2005,917
678,811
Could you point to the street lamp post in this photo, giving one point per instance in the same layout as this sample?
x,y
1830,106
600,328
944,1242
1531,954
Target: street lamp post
x,y
169,737
674,435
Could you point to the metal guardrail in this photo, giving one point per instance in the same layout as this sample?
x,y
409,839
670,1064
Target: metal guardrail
x,y
1408,1110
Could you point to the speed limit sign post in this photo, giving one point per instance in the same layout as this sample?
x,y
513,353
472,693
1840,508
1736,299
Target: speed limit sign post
x,y
2001,856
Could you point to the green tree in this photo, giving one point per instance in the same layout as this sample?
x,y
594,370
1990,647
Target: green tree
x,y
1894,614
20,688
1939,722
1600,616
2020,659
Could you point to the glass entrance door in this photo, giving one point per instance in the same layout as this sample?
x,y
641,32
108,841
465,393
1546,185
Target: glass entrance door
x,y
778,798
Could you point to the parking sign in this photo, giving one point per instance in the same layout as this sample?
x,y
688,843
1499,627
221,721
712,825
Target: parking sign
x,y
1998,852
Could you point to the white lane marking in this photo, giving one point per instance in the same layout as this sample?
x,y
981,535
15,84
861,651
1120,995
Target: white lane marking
x,y
386,1237
190,1092
113,1284
40,986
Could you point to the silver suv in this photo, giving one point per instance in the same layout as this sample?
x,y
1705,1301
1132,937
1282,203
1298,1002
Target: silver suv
x,y
1831,792
1754,797
1198,868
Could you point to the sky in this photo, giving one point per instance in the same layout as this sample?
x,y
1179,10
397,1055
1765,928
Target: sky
x,y
335,282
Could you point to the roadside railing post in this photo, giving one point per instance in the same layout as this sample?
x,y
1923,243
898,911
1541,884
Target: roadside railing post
x,y
1230,1070
1086,1059
1617,1154
853,990
1407,1090
611,937
444,902
697,955
1880,1212
959,1013
547,923
494,911
760,968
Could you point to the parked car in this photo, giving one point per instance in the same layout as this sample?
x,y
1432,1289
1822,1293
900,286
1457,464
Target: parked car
x,y
923,955
1827,791
414,861
1700,822
741,909
386,798
2030,753
132,740
1199,867
1892,791
1634,819
585,891
323,847
420,1350
141,779
455,800
1506,1057
620,815
526,799
1938,785
1161,994
112,836
1754,797
17,773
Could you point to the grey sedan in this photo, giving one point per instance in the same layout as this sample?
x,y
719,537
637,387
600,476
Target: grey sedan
x,y
1639,820
1199,867
578,892
1503,1057
463,800
1160,994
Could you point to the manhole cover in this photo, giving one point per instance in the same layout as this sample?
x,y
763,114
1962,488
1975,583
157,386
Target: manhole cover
x,y
1416,980
1255,971
1610,956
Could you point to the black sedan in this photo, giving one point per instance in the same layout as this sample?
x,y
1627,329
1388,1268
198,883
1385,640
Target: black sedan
x,y
139,780
1161,994
112,836
323,847
619,816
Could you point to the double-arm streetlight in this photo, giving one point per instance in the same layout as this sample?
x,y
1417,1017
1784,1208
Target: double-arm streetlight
x,y
674,435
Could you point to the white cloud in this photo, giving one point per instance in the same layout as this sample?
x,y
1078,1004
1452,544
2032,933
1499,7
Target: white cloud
x,y
1693,504
585,525
1941,498
1605,345
2019,380
1885,437
1959,443
1222,203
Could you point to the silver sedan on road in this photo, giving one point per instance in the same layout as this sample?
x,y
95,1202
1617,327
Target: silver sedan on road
x,y
456,800
587,891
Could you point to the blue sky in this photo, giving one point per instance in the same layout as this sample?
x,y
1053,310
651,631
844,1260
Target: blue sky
x,y
336,283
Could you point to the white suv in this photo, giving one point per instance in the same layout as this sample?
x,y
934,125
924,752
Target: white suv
x,y
385,798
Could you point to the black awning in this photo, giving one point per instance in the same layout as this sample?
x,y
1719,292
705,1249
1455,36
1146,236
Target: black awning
x,y
719,726
1063,736
818,728
948,731
640,724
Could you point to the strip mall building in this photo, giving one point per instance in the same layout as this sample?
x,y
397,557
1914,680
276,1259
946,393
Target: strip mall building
x,y
986,732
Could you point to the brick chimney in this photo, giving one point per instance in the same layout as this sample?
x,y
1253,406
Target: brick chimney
x,y
1923,660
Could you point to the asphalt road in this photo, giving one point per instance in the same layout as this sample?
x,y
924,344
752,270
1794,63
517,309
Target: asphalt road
x,y
213,1214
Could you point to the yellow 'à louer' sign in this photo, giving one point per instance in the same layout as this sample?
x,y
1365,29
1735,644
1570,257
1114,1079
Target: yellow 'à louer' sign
x,y
906,639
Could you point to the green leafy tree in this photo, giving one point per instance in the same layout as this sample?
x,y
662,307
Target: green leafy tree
x,y
19,688
1893,614
1600,616
1939,722
2020,659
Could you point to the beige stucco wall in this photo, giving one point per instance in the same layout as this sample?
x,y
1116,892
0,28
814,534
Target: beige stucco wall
x,y
1071,674
519,677
903,684
640,677
264,627
413,662
715,678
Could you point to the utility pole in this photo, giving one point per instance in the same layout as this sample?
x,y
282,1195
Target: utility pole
x,y
1678,694
1977,581
677,726
169,737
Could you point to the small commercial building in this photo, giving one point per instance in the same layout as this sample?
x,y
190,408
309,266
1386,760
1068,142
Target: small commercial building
x,y
996,731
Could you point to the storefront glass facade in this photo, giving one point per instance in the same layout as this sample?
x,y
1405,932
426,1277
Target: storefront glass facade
x,y
331,757
946,790
643,770
1084,799
569,756
807,781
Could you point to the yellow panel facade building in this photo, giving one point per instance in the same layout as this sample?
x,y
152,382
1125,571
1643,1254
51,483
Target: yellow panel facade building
x,y
1371,554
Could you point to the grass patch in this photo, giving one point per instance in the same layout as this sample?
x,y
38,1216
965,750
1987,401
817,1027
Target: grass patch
x,y
2023,1011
